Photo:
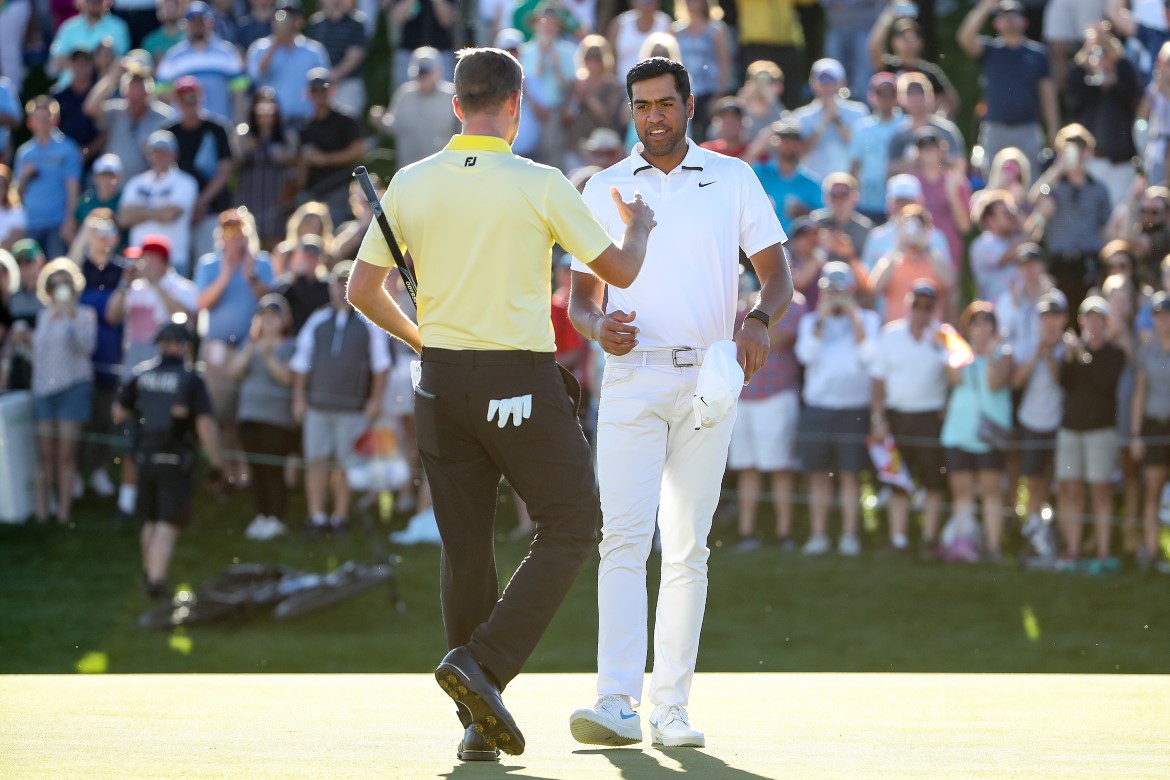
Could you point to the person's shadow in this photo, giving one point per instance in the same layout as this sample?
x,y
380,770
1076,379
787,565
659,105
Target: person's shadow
x,y
644,764
491,770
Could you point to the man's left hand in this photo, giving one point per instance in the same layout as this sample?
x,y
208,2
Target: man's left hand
x,y
752,344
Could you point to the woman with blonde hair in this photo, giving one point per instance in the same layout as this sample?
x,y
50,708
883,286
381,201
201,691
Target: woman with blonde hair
x,y
596,98
62,382
310,219
979,408
1011,171
12,219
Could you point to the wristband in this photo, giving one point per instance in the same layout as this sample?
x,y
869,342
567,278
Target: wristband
x,y
757,314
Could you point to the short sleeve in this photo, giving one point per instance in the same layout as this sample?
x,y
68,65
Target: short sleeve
x,y
200,400
570,221
75,167
759,227
223,143
205,274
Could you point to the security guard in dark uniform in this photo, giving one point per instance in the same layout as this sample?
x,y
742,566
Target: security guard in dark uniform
x,y
172,411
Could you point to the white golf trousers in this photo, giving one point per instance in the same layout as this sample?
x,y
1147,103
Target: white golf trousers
x,y
652,463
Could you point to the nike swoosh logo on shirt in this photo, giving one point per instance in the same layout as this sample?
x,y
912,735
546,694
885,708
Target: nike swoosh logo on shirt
x,y
627,717
707,184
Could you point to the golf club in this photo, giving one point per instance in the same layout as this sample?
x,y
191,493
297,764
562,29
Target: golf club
x,y
363,176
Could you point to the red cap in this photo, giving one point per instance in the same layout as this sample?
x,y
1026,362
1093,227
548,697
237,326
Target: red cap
x,y
152,242
187,84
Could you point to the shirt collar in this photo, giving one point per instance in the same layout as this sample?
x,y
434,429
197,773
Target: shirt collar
x,y
477,143
692,162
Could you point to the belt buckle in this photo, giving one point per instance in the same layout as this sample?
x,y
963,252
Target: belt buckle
x,y
674,357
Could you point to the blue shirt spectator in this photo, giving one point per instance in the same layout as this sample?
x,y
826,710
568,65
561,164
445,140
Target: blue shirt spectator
x,y
11,111
792,191
231,317
216,63
86,32
48,166
284,68
869,147
1020,69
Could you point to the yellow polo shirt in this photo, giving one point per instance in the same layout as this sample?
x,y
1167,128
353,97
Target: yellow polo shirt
x,y
480,223
771,22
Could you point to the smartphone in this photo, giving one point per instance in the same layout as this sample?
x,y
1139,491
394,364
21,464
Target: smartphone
x,y
1071,154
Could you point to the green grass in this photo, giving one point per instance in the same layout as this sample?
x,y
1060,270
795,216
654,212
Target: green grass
x,y
72,595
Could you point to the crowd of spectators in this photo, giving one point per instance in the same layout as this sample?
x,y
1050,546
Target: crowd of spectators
x,y
996,312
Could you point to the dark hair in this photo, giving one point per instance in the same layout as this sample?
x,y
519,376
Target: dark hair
x,y
655,67
267,94
485,78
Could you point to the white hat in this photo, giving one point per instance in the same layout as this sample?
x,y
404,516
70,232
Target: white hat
x,y
719,385
903,187
108,163
828,68
509,38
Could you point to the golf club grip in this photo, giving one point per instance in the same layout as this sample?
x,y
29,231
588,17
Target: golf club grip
x,y
363,177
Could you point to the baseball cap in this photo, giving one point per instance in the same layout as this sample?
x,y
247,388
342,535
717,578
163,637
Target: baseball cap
x,y
883,79
904,25
163,139
274,302
1052,302
27,250
1029,251
927,134
903,187
151,242
924,288
340,272
1008,7
108,163
1160,303
828,69
312,243
175,332
1094,304
786,128
603,139
318,78
289,6
800,226
425,59
509,38
836,276
187,84
198,10
718,385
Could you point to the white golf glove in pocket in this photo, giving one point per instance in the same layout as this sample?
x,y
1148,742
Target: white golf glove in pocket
x,y
518,408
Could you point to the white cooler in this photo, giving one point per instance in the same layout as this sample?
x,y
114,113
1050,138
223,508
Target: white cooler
x,y
18,457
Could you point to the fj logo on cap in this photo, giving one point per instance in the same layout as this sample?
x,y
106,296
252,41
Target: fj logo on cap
x,y
469,162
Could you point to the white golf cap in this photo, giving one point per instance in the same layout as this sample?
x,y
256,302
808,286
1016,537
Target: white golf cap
x,y
903,187
828,69
719,385
108,163
509,38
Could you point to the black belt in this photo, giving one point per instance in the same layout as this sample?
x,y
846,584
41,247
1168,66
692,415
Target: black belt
x,y
486,357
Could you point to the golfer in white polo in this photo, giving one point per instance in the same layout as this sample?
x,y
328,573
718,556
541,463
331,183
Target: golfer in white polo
x,y
652,462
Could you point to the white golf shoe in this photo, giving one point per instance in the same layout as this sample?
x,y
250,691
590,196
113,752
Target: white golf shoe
x,y
670,726
610,721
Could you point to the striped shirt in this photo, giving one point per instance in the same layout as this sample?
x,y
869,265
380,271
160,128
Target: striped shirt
x,y
337,35
218,66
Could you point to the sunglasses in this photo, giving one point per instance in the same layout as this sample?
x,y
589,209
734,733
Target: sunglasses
x,y
1119,266
843,192
923,304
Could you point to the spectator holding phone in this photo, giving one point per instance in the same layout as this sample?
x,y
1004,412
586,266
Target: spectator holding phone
x,y
62,383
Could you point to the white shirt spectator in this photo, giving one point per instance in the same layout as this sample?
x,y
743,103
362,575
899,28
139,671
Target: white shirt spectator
x,y
11,219
914,370
302,359
1019,322
145,313
1042,404
174,188
836,366
991,278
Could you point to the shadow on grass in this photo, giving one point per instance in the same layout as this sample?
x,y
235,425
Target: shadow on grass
x,y
473,770
645,764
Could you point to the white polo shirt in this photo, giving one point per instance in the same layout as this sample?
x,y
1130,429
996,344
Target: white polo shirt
x,y
707,209
914,370
836,365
